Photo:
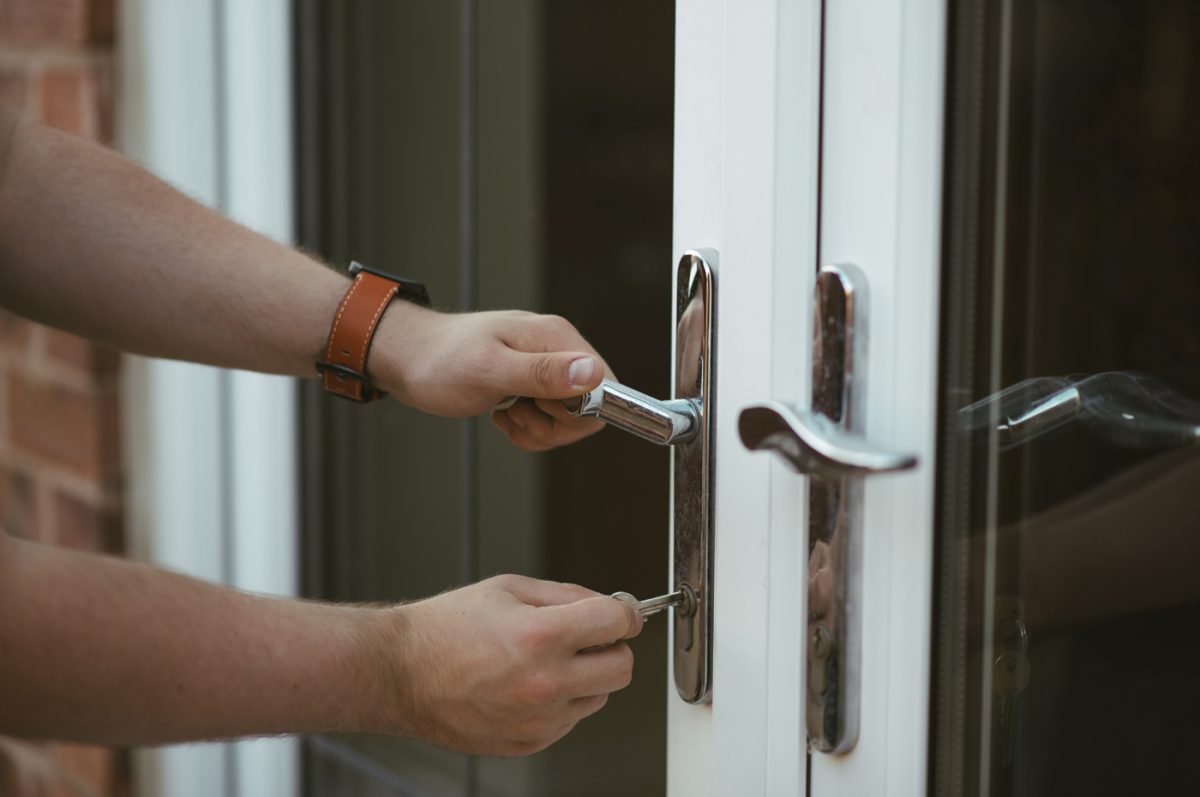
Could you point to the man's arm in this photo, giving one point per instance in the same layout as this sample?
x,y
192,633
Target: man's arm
x,y
92,243
102,650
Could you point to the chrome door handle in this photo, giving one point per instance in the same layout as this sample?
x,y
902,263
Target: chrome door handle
x,y
813,445
684,422
825,443
663,422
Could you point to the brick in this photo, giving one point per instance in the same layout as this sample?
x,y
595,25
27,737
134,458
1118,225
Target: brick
x,y
81,526
93,768
18,509
15,332
77,352
75,98
75,22
64,786
66,426
26,770
14,88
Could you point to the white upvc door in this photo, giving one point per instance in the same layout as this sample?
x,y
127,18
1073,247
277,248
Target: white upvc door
x,y
747,89
881,203
810,133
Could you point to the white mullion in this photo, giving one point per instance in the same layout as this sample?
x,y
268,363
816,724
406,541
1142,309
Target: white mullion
x,y
743,588
797,121
167,120
699,68
884,89
915,395
257,176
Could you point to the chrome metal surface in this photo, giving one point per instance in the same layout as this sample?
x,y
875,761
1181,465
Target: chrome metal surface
x,y
825,443
812,444
692,475
685,423
661,422
682,600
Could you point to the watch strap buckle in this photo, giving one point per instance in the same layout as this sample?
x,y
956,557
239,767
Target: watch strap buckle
x,y
341,373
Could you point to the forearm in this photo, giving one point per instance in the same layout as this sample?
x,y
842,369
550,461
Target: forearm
x,y
102,650
91,243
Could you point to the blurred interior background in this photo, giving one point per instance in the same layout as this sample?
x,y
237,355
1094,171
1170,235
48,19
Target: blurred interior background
x,y
517,157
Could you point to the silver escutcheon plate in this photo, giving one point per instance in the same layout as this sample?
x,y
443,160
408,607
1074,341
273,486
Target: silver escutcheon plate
x,y
824,442
692,475
835,517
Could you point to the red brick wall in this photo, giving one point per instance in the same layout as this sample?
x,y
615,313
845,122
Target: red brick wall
x,y
59,443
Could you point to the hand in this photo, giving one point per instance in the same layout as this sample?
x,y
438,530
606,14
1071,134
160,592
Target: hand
x,y
464,364
509,665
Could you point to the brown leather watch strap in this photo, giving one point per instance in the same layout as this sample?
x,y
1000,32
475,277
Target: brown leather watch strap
x,y
344,369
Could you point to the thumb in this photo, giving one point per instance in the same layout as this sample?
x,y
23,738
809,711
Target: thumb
x,y
551,375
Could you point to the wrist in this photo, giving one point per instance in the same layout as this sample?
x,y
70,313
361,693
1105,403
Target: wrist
x,y
403,332
381,683
346,367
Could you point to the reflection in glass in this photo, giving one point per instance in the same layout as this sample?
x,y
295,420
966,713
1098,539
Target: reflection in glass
x,y
1128,409
1068,508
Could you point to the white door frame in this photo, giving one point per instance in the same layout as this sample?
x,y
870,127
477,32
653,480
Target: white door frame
x,y
747,140
747,82
205,101
881,207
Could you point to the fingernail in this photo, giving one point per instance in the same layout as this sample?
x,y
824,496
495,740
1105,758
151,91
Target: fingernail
x,y
520,424
580,372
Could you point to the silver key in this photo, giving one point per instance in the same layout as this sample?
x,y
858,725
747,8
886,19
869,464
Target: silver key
x,y
678,598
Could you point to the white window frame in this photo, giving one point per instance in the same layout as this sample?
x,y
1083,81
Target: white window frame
x,y
205,101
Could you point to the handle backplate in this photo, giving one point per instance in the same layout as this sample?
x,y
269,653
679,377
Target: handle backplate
x,y
825,443
692,474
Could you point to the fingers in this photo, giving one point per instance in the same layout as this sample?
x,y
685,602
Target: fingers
x,y
587,706
600,672
499,667
549,358
581,617
531,332
542,425
555,375
546,360
595,621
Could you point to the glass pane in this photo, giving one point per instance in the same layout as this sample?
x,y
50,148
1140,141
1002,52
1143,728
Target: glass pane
x,y
332,767
1069,476
574,218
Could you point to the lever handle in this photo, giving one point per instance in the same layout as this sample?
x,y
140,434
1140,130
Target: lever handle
x,y
685,422
812,444
824,442
662,422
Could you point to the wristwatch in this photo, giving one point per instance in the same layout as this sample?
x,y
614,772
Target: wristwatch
x,y
344,369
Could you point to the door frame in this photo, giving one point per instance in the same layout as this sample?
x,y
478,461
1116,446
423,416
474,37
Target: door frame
x,y
205,101
748,189
772,101
881,208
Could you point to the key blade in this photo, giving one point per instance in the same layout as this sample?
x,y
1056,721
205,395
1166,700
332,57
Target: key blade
x,y
661,603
